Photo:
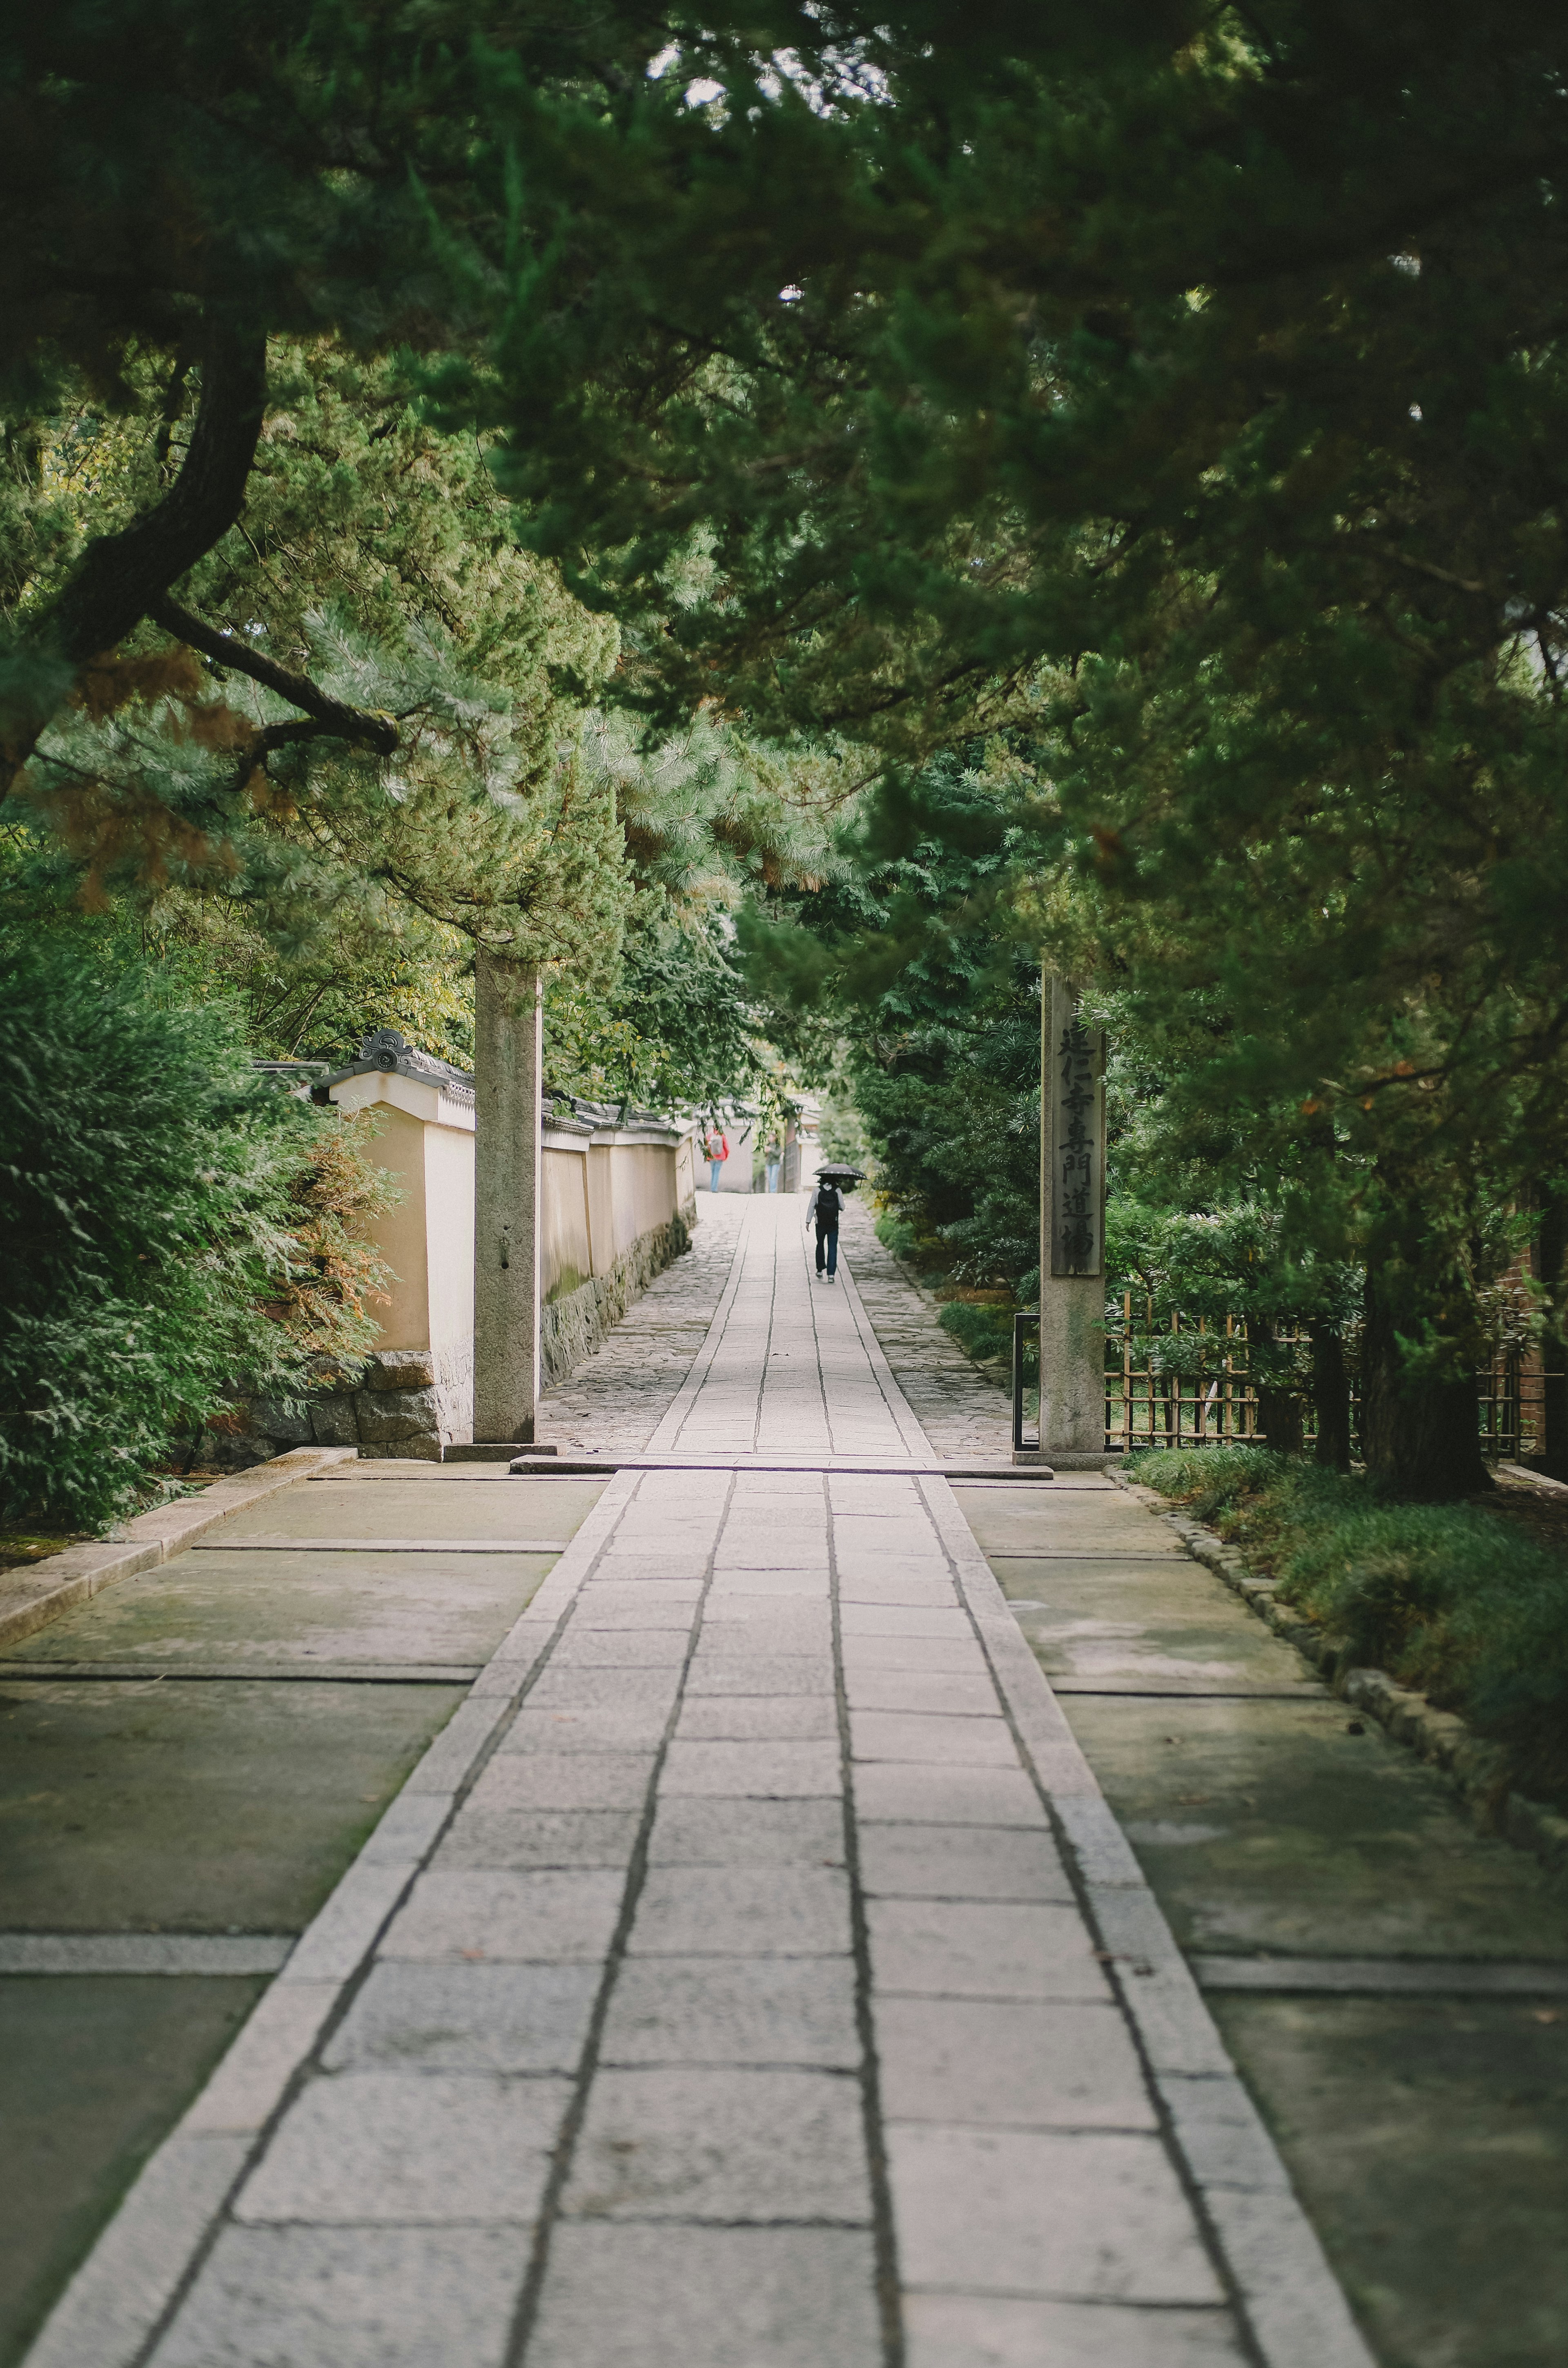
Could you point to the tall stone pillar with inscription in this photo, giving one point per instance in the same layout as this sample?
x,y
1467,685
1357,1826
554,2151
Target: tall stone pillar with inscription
x,y
508,1064
1072,1230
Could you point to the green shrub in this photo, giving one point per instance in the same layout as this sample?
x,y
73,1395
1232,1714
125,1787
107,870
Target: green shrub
x,y
981,1332
161,1210
1448,1598
896,1233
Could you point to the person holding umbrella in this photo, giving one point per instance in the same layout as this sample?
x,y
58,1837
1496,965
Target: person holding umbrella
x,y
825,1207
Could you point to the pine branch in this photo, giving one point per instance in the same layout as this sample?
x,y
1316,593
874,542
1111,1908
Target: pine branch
x,y
330,715
120,576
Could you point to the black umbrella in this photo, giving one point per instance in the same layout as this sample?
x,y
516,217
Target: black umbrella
x,y
836,1173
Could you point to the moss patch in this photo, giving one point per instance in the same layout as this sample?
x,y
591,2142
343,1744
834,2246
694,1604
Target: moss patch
x,y
1465,1603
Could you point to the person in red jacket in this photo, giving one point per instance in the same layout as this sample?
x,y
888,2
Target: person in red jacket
x,y
716,1150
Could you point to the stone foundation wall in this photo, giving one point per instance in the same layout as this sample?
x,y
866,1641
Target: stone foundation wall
x,y
395,1405
405,1402
574,1323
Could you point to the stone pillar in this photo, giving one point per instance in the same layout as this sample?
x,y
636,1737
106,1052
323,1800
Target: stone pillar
x,y
1072,1228
508,1166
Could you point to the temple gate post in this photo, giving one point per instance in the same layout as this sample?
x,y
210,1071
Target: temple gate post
x,y
508,1065
1071,1229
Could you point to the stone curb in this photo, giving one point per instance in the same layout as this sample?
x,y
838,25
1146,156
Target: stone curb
x,y
1478,1770
30,1598
109,2311
1284,2285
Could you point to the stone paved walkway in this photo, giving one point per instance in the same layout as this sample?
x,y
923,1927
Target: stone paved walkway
x,y
751,1974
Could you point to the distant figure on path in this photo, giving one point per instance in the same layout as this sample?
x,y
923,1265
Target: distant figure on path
x,y
772,1159
716,1150
826,1202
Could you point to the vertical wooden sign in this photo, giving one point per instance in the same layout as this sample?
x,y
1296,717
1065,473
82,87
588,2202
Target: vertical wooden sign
x,y
1075,1181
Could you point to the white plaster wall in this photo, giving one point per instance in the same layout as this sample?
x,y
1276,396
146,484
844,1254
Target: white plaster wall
x,y
566,1249
449,1237
401,1235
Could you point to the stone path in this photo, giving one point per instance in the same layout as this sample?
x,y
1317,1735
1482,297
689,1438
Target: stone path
x,y
751,1975
614,1402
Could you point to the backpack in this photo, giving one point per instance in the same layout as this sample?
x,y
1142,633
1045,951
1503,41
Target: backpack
x,y
825,1204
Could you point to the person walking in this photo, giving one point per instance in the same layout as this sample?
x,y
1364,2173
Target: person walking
x,y
772,1159
826,1206
716,1150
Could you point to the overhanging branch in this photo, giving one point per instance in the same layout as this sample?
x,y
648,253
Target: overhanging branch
x,y
120,576
363,727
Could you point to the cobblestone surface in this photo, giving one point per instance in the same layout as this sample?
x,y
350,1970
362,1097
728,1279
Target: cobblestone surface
x,y
963,1412
613,1403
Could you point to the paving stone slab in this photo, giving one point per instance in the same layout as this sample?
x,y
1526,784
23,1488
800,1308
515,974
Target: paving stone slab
x,y
750,2010
785,1911
738,1718
565,1780
767,1771
567,1686
721,2145
891,1790
603,1727
803,1584
551,1916
934,1742
468,2018
916,1862
1090,2216
978,1948
675,2298
1007,2063
350,2298
609,1648
754,1623
935,1692
727,1831
715,1671
935,1655
520,1839
366,2148
890,1620
984,2331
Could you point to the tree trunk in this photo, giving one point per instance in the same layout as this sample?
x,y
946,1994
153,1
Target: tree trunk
x,y
1330,1397
1549,1260
1420,1433
1278,1410
120,576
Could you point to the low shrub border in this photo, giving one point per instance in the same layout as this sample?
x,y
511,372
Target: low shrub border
x,y
1483,1769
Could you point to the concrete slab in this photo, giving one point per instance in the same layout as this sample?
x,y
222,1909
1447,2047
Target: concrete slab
x,y
92,2073
196,1808
1271,1825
